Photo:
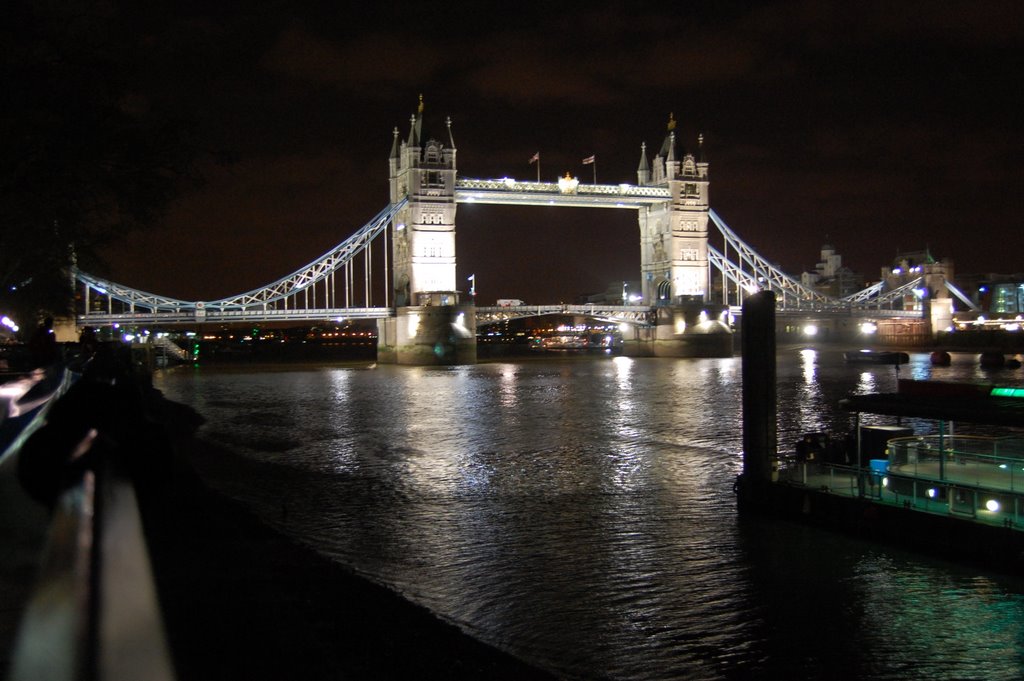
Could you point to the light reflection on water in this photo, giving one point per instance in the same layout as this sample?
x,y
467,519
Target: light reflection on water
x,y
580,514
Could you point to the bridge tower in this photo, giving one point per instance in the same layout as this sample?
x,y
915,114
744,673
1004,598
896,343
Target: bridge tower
x,y
674,257
674,253
674,235
430,325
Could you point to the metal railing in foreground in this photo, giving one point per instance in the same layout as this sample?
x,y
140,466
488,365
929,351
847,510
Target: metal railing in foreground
x,y
94,612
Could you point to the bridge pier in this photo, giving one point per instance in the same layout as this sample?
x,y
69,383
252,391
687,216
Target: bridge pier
x,y
684,330
428,335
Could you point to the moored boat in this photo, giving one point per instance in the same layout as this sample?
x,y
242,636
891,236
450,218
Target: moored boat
x,y
876,357
921,482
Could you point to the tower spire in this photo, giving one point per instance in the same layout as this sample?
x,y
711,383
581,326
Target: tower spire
x,y
413,140
394,145
643,171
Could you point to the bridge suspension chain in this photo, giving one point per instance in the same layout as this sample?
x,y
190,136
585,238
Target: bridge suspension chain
x,y
792,292
299,286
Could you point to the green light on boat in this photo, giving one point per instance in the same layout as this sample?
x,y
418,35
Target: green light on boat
x,y
1006,392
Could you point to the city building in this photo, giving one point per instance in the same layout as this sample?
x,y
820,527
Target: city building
x,y
830,277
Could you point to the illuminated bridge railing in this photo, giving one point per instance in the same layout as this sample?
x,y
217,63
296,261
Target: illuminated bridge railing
x,y
214,316
639,315
507,191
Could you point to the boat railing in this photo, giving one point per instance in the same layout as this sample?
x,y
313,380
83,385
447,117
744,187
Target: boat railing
x,y
985,462
964,480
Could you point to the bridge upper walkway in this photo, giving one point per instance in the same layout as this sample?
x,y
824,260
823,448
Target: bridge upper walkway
x,y
509,192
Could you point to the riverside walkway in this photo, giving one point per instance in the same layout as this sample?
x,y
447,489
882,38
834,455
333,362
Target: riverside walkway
x,y
234,598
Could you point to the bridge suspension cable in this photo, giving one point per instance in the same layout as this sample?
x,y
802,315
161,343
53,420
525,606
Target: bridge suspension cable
x,y
762,274
291,297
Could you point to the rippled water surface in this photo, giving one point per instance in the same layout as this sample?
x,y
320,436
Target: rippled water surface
x,y
579,513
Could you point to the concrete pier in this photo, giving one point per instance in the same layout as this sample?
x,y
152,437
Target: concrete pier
x,y
428,335
690,330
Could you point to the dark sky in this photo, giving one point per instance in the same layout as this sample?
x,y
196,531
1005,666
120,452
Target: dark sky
x,y
875,126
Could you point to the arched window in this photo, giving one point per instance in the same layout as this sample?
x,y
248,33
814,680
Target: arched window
x,y
665,290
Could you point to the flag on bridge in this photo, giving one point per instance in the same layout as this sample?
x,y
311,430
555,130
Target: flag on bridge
x,y
535,157
588,160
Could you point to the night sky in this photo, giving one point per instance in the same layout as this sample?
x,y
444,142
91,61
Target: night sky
x,y
878,127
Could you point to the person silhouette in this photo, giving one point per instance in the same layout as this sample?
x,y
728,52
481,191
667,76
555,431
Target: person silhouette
x,y
43,344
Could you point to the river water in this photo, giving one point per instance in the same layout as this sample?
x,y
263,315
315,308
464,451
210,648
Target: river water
x,y
579,513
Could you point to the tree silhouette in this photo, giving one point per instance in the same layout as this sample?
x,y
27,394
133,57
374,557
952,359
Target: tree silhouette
x,y
87,155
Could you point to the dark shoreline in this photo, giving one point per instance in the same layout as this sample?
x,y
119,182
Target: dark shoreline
x,y
242,601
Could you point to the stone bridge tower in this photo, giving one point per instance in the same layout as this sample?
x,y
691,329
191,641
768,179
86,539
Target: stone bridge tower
x,y
674,235
674,257
430,326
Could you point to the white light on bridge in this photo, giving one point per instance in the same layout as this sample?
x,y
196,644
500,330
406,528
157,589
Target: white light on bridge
x,y
459,326
680,325
624,327
414,324
868,327
811,330
992,505
751,288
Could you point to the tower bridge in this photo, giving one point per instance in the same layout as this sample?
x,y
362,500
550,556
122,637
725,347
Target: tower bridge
x,y
399,268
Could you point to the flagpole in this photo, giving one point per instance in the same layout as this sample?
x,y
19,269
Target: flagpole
x,y
538,169
592,160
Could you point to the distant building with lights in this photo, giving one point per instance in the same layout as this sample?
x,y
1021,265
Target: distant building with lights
x,y
830,277
994,293
906,267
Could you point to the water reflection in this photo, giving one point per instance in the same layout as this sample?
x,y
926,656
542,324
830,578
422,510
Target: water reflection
x,y
580,513
809,358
